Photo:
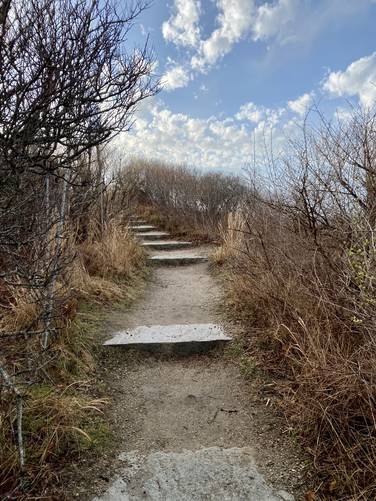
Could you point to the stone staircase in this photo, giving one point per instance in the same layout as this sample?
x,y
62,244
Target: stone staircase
x,y
181,339
189,415
175,252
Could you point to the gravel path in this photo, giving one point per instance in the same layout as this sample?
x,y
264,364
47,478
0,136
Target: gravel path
x,y
189,428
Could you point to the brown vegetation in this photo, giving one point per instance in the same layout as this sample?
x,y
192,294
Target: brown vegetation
x,y
60,416
300,265
67,86
185,201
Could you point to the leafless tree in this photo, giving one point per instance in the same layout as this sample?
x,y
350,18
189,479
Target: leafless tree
x,y
198,200
68,84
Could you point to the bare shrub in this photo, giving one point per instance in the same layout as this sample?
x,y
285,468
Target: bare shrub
x,y
68,84
187,201
303,281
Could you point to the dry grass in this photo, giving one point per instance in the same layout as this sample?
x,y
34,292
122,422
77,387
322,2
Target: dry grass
x,y
91,287
311,324
115,254
61,418
19,309
231,235
59,423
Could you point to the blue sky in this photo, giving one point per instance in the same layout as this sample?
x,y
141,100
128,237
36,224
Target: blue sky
x,y
238,72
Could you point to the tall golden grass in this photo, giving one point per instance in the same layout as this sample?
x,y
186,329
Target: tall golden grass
x,y
113,254
309,319
231,233
61,418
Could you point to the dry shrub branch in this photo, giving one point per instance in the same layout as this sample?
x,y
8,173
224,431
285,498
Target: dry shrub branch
x,y
184,200
302,279
68,84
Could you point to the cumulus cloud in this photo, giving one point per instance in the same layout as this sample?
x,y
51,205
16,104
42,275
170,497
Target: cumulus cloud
x,y
301,104
277,22
241,19
177,137
182,27
274,20
250,111
234,20
212,143
259,114
175,78
244,19
358,79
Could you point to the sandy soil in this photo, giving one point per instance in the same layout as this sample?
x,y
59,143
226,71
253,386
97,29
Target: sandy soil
x,y
175,295
173,403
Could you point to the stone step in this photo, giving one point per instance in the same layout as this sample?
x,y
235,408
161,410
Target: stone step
x,y
178,338
135,216
176,258
153,235
138,221
166,244
141,228
211,473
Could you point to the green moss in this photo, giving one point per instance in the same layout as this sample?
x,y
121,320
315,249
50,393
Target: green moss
x,y
40,390
235,349
248,367
101,437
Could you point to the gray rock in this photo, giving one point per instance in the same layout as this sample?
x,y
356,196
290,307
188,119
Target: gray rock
x,y
177,258
166,244
285,496
177,338
152,235
137,221
142,227
211,474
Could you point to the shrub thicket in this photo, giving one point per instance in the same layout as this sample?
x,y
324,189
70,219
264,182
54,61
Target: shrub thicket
x,y
68,84
300,261
185,200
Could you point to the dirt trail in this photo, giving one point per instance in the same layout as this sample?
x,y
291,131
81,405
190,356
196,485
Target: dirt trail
x,y
177,409
176,295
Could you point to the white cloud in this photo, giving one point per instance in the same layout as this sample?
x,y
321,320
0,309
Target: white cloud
x,y
301,105
276,22
243,19
343,114
143,30
259,114
285,21
273,20
358,79
175,78
182,27
234,20
211,143
251,112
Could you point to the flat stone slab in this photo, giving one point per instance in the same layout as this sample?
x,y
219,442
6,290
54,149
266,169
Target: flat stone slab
x,y
166,244
211,474
138,221
152,235
141,227
177,338
177,258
